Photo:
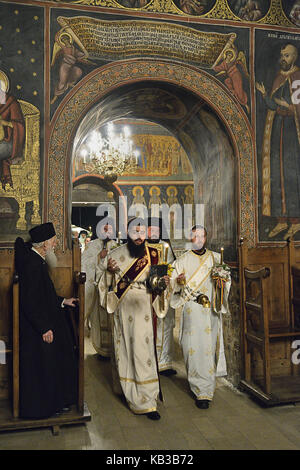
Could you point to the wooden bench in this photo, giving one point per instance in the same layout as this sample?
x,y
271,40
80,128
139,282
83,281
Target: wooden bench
x,y
70,279
270,306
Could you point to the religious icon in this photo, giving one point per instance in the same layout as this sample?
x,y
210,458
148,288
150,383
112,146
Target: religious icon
x,y
195,7
133,3
139,201
280,170
234,66
189,195
294,14
249,10
19,163
172,192
69,56
154,201
12,131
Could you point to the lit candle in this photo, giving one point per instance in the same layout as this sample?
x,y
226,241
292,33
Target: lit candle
x,y
222,254
166,246
84,154
136,153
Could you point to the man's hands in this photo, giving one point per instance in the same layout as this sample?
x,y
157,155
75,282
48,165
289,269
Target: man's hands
x,y
261,87
112,266
167,280
181,280
48,336
282,102
103,253
72,302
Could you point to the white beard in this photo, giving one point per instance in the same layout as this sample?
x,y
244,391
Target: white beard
x,y
51,259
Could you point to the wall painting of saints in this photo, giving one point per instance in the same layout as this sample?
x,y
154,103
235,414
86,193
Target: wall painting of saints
x,y
249,10
195,7
278,138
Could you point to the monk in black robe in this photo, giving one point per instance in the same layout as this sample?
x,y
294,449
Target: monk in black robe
x,y
48,364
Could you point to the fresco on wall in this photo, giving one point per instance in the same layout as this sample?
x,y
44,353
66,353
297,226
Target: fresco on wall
x,y
86,40
249,10
232,65
69,57
160,156
133,3
156,104
292,11
278,134
255,11
21,98
153,196
195,7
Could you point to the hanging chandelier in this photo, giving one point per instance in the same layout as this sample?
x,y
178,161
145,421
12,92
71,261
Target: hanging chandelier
x,y
109,156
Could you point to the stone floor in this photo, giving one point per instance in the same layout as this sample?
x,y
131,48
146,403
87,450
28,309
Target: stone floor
x,y
234,421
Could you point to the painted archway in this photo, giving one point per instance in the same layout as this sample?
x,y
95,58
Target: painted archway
x,y
99,83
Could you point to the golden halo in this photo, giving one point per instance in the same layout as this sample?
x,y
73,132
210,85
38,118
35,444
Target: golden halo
x,y
154,187
64,33
232,50
135,189
188,188
4,82
169,189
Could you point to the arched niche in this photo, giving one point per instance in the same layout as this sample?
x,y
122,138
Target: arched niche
x,y
106,79
91,190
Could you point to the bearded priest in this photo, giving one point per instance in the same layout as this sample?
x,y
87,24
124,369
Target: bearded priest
x,y
125,293
48,364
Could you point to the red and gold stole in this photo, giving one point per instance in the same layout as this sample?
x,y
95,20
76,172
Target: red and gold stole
x,y
135,270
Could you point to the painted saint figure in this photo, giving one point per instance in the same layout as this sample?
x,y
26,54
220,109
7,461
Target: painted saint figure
x,y
233,65
248,10
281,147
12,131
69,55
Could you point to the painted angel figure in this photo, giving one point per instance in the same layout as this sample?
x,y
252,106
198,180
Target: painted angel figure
x,y
233,66
69,72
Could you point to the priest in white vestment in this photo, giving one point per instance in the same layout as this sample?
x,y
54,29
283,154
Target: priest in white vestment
x,y
125,293
96,316
165,326
201,334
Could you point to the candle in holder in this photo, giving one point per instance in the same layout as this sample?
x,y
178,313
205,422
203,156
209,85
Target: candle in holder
x,y
166,248
222,254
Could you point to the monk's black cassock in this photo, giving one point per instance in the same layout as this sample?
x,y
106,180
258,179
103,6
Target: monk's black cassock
x,y
48,372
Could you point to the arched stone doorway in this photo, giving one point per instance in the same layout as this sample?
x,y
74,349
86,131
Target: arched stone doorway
x,y
101,82
89,191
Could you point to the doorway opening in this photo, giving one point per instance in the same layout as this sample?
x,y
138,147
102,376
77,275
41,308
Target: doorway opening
x,y
185,157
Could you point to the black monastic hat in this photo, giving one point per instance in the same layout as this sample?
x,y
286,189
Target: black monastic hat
x,y
42,232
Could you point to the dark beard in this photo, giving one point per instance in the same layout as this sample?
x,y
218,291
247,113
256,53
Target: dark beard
x,y
135,251
284,66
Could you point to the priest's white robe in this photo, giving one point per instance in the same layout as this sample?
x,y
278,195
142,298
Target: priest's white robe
x,y
165,327
96,315
133,334
201,334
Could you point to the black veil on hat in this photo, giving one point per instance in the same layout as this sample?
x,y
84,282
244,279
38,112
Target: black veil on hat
x,y
42,232
155,222
158,222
